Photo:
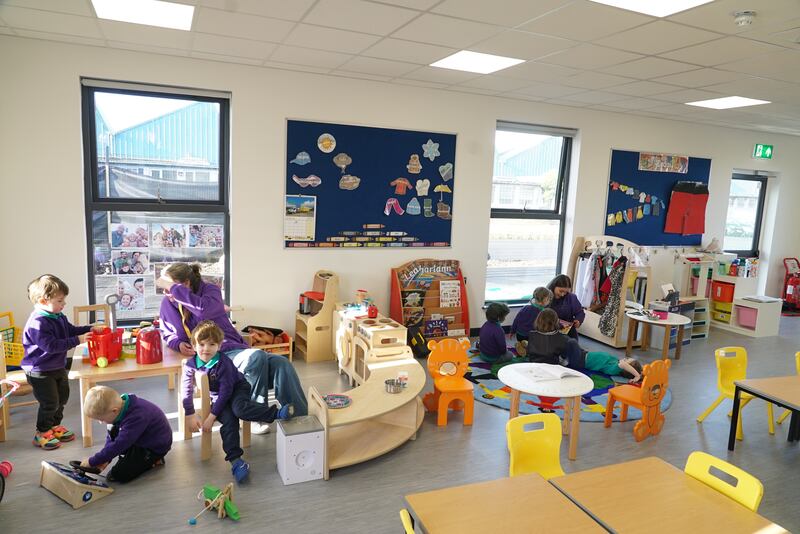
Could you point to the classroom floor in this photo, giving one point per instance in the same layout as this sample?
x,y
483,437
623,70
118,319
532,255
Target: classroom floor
x,y
367,497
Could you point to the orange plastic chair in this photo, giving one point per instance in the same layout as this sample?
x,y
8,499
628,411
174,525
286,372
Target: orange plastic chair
x,y
447,364
647,398
786,413
732,366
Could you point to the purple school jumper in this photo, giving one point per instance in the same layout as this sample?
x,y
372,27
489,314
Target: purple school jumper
x,y
568,308
141,423
47,338
223,377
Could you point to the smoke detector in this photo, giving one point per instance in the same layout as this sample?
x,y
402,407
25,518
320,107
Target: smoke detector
x,y
744,18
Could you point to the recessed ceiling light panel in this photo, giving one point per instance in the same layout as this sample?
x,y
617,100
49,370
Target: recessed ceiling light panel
x,y
728,102
149,12
476,62
654,8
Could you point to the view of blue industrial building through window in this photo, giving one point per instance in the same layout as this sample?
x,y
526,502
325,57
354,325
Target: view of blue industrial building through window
x,y
156,189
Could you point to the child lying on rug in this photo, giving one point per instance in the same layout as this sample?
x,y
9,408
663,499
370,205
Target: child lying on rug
x,y
546,344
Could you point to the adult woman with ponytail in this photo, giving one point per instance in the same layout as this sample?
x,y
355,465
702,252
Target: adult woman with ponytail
x,y
189,301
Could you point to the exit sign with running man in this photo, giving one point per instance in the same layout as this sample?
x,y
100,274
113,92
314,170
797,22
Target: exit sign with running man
x,y
762,151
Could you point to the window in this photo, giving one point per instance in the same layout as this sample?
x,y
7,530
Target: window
x,y
156,189
745,211
526,230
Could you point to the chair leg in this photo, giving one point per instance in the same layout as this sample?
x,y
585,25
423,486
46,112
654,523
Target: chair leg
x,y
609,411
770,417
743,404
441,408
469,409
624,415
784,415
710,409
245,434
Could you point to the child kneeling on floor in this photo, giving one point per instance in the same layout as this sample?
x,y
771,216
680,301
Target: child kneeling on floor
x,y
230,394
140,433
492,340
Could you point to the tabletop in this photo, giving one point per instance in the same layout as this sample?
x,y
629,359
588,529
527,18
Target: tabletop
x,y
517,376
526,503
83,369
783,388
673,319
666,500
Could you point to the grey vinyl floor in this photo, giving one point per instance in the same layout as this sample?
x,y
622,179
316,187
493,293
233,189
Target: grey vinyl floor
x,y
367,497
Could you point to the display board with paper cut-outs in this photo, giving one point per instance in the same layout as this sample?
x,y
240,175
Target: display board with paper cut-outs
x,y
371,187
640,190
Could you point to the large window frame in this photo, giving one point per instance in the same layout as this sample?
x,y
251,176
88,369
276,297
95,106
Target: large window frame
x,y
558,212
94,201
753,251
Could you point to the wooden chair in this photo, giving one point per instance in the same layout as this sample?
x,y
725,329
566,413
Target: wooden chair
x,y
13,352
408,524
447,364
746,489
534,450
729,369
202,404
89,309
646,398
786,413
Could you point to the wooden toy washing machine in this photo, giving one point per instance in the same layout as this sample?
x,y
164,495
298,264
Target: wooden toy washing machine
x,y
377,340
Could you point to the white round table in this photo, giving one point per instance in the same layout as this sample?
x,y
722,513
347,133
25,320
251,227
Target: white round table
x,y
673,319
518,377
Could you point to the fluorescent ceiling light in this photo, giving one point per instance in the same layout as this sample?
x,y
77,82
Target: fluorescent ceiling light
x,y
654,8
476,62
149,12
728,102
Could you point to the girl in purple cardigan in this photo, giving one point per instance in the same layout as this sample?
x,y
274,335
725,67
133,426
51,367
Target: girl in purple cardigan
x,y
566,304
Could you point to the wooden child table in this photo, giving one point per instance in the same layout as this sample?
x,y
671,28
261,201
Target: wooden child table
x,y
673,319
781,390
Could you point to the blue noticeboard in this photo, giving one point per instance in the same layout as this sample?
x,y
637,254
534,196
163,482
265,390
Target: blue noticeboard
x,y
371,187
649,229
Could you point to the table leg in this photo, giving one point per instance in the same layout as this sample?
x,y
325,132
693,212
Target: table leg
x,y
631,330
567,409
171,381
573,433
794,426
514,409
86,423
665,348
645,336
680,343
737,397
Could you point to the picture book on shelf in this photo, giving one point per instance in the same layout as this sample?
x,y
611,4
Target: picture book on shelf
x,y
436,328
449,293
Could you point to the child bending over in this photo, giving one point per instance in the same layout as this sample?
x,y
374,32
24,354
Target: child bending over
x,y
492,342
47,337
230,393
140,433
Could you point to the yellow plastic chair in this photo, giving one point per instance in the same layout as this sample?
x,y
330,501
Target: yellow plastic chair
x,y
786,413
747,490
408,525
534,450
729,370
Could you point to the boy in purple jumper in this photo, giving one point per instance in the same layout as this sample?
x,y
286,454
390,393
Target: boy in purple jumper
x,y
230,393
492,341
47,337
140,433
523,322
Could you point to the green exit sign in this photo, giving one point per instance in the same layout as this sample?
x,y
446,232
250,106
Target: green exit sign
x,y
762,151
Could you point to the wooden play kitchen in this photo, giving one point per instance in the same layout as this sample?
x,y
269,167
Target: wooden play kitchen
x,y
376,421
313,319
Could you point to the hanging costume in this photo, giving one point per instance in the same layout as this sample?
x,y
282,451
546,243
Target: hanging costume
x,y
686,214
608,321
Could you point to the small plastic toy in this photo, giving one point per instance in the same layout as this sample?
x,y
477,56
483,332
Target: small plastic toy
x,y
148,346
105,347
219,500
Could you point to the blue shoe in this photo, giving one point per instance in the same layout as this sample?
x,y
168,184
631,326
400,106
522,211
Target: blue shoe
x,y
240,469
286,411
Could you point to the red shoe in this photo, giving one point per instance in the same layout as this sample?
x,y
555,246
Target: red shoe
x,y
46,440
62,433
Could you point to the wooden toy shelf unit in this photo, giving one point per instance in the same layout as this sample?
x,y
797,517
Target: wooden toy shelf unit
x,y
312,338
430,295
636,280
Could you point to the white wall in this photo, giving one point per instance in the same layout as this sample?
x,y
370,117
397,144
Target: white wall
x,y
41,169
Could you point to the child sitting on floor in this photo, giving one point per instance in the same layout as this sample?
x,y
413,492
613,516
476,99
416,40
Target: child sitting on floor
x,y
140,433
230,393
523,322
492,341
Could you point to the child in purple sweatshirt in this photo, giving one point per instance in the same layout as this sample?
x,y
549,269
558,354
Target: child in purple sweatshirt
x,y
230,394
47,337
140,433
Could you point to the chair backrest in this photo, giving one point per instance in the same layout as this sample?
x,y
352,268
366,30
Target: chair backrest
x,y
448,358
534,450
78,310
405,518
655,382
731,366
747,489
797,361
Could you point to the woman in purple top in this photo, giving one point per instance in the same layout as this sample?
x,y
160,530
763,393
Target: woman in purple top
x,y
566,304
190,301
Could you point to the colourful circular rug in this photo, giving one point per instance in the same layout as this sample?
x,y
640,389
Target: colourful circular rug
x,y
489,390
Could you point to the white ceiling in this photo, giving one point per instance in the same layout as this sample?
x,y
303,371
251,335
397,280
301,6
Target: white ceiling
x,y
579,53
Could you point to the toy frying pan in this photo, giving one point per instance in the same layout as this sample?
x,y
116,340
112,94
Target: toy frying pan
x,y
76,465
111,300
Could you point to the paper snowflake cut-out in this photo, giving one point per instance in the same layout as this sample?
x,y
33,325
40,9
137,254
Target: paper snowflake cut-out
x,y
430,150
